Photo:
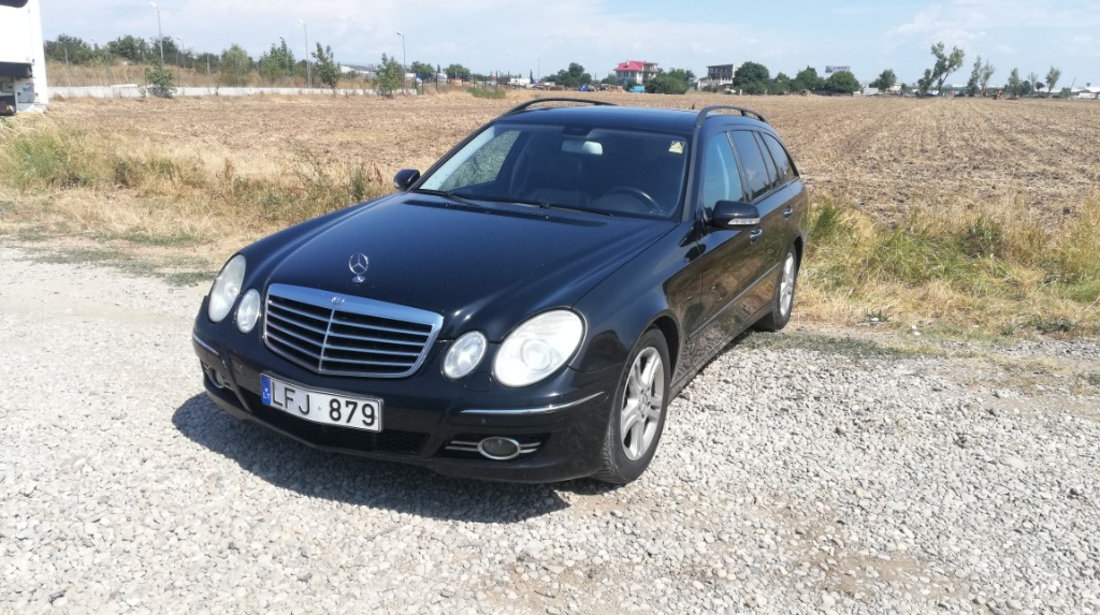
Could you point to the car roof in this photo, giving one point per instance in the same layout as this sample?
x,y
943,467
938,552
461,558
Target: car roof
x,y
681,121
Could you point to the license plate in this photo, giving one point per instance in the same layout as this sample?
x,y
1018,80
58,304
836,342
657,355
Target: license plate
x,y
322,407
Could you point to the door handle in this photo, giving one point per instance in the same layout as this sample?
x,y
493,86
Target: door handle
x,y
788,212
753,236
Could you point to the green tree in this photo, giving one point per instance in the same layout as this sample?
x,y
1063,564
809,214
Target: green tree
x,y
945,65
171,48
885,80
1012,86
684,74
975,75
986,75
781,84
572,77
390,76
1029,85
1033,81
457,71
69,48
1053,75
423,70
209,60
755,88
807,79
325,67
277,63
674,81
160,81
979,78
130,47
752,78
235,66
842,82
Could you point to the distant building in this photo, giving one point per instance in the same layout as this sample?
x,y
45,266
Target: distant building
x,y
720,74
635,72
358,70
1087,93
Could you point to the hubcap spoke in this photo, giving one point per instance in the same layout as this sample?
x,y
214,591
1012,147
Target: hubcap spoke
x,y
631,415
638,441
648,374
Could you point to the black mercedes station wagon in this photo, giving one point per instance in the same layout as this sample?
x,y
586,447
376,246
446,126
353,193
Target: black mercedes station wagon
x,y
524,310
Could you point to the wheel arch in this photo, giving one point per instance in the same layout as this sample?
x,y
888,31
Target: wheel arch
x,y
671,332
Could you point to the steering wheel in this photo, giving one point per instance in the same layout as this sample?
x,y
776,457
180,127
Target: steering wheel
x,y
651,206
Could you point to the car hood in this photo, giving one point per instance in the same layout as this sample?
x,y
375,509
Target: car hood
x,y
481,267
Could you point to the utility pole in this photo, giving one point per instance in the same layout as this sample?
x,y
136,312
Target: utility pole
x,y
309,69
160,33
404,65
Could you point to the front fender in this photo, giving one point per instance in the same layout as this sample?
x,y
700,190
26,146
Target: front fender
x,y
655,286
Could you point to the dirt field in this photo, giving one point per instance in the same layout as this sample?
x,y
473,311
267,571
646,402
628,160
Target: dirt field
x,y
882,153
970,214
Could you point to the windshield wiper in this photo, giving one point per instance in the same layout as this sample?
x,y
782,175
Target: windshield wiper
x,y
539,204
452,196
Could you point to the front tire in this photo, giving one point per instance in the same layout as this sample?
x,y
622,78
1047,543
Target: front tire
x,y
783,301
638,411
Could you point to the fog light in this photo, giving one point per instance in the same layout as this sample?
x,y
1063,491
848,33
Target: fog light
x,y
498,449
214,376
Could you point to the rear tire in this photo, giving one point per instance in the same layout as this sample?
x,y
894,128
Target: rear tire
x,y
783,301
638,411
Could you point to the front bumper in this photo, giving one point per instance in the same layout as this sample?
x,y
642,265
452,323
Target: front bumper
x,y
427,419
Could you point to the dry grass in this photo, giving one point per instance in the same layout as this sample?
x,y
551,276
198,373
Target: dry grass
x,y
95,74
941,213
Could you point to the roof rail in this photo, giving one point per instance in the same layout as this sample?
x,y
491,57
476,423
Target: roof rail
x,y
745,112
530,103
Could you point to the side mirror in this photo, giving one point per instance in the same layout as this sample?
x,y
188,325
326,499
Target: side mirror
x,y
735,214
405,178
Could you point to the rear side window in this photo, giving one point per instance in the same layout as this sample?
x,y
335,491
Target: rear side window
x,y
773,175
757,179
721,181
781,157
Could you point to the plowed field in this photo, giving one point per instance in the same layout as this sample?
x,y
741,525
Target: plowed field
x,y
888,154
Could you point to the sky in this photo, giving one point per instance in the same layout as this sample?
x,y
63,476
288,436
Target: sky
x,y
541,37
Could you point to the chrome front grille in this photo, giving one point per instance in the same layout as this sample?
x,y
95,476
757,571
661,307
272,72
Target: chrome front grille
x,y
341,335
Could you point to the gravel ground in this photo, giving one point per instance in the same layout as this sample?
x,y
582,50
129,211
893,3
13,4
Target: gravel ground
x,y
800,472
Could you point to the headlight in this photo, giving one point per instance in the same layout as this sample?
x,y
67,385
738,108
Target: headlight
x,y
226,288
248,312
538,347
464,355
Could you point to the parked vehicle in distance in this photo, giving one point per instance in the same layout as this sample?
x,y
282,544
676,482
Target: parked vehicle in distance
x,y
525,309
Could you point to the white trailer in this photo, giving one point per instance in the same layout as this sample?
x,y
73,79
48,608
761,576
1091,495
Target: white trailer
x,y
22,58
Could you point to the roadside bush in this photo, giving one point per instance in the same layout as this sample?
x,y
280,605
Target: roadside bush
x,y
493,93
981,264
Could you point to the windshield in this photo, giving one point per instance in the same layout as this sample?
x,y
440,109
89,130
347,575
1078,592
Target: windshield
x,y
609,171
